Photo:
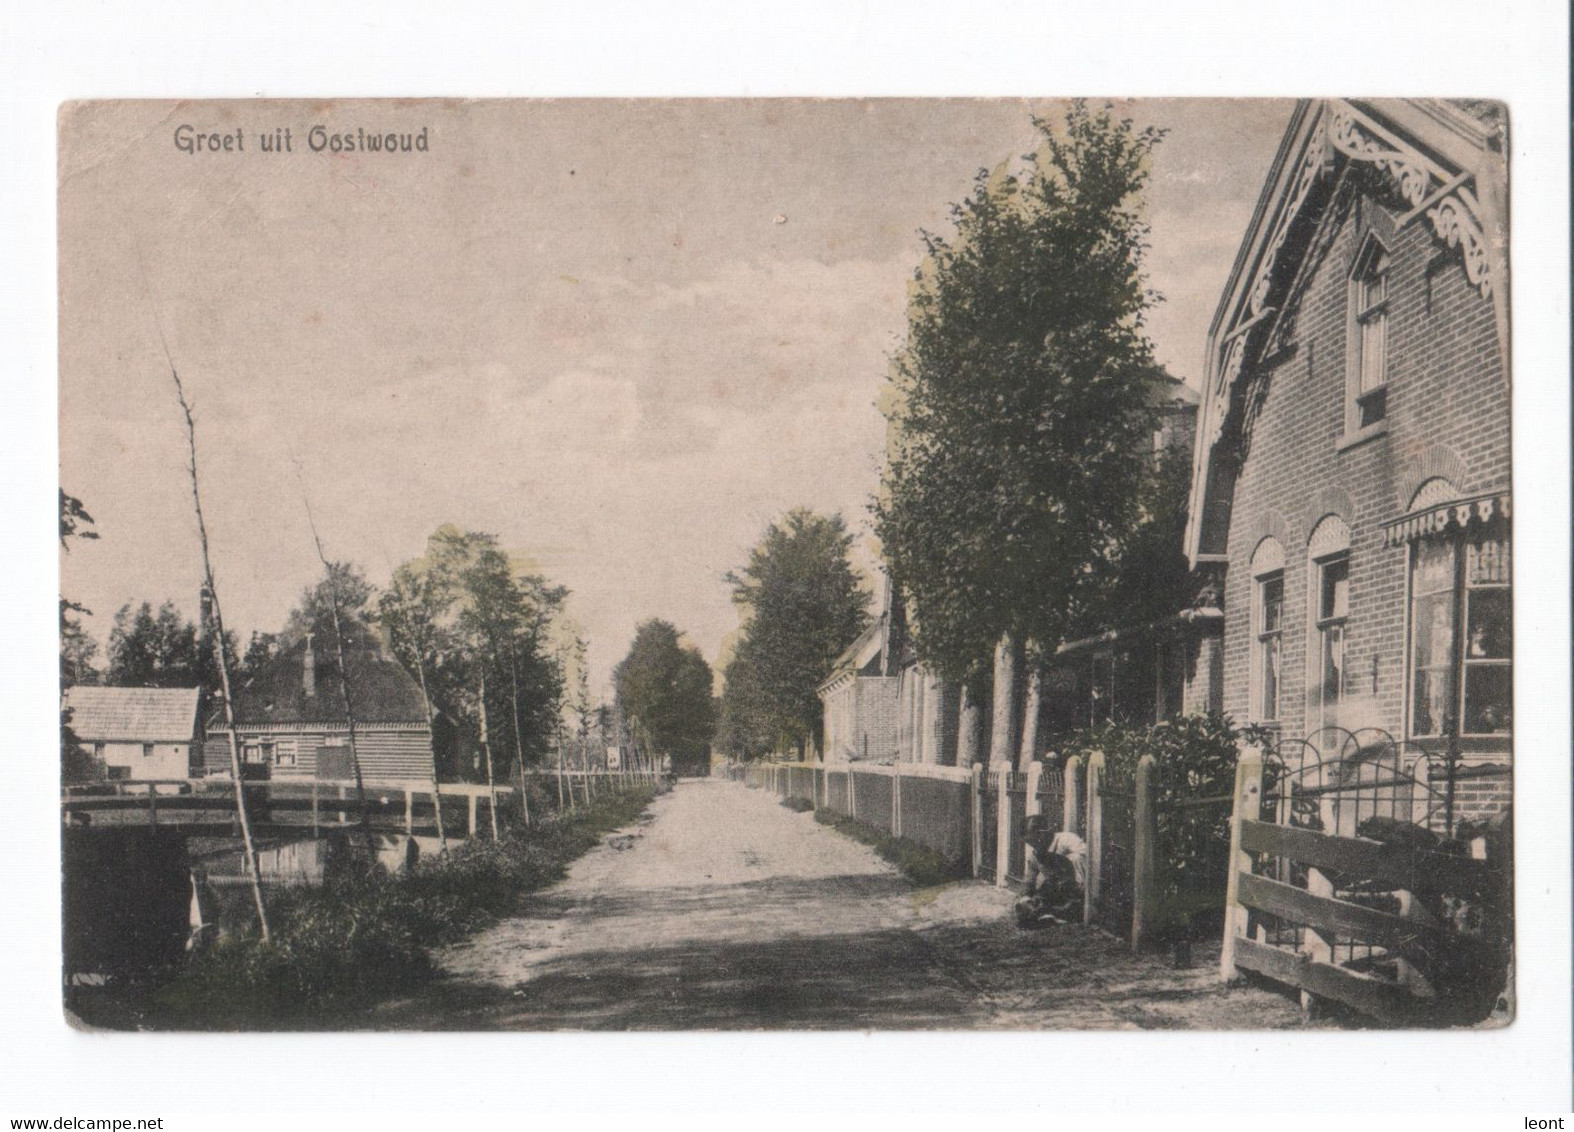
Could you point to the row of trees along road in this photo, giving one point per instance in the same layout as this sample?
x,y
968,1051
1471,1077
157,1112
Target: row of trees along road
x,y
664,696
802,606
1021,505
462,618
475,630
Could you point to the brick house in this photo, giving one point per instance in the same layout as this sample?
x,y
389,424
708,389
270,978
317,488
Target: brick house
x,y
290,719
860,697
1350,488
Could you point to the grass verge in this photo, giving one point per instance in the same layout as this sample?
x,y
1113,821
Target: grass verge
x,y
364,934
918,863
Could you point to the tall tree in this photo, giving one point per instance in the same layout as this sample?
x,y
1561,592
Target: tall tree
x,y
1146,575
344,589
744,723
77,647
151,648
261,648
1024,396
664,692
466,618
804,605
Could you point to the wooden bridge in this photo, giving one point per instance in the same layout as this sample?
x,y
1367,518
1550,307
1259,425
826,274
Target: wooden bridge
x,y
205,807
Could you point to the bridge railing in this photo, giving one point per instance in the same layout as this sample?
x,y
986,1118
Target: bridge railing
x,y
284,806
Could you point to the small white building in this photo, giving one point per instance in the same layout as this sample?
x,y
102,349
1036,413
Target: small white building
x,y
138,733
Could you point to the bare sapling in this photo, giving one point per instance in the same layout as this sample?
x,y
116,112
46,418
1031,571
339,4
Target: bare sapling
x,y
344,675
486,751
519,742
253,872
431,728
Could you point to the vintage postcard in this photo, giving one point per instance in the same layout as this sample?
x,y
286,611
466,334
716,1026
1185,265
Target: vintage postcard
x,y
786,564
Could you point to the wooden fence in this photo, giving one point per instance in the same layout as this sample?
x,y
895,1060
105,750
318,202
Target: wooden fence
x,y
976,816
1340,887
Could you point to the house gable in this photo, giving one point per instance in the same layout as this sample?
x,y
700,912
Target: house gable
x,y
1314,504
1439,165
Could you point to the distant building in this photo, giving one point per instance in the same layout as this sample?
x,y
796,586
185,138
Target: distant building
x,y
1351,484
138,733
860,698
290,719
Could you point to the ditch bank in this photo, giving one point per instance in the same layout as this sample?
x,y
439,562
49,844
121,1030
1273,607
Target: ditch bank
x,y
364,934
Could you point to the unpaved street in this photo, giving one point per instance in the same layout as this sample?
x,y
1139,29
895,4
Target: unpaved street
x,y
724,910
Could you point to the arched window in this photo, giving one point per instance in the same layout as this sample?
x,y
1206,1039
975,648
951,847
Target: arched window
x,y
1328,554
1267,629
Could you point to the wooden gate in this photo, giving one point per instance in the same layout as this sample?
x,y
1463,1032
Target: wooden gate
x,y
1341,886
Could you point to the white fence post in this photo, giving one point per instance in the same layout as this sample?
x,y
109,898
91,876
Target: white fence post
x,y
976,822
1145,914
1035,775
1002,821
1095,837
896,800
1071,784
1246,807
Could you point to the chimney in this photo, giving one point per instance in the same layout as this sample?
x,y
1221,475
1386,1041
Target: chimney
x,y
309,668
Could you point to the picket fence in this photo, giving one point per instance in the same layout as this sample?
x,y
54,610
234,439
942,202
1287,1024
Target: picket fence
x,y
976,816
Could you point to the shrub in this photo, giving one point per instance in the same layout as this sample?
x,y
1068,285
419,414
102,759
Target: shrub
x,y
1194,757
798,805
364,934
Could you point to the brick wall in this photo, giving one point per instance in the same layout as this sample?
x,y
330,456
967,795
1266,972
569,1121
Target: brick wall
x,y
1447,414
877,732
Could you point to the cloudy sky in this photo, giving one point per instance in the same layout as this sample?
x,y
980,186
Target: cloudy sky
x,y
623,336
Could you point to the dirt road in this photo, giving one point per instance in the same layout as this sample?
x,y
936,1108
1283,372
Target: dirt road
x,y
724,910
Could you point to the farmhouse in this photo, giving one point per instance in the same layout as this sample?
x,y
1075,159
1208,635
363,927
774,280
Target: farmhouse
x,y
1350,492
138,733
290,718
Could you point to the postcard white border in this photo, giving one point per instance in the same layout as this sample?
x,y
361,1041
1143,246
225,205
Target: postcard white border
x,y
1513,50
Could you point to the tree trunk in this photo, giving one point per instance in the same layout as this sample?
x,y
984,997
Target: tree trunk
x,y
970,729
349,710
431,728
1002,732
562,802
253,871
344,677
486,751
519,743
1030,710
932,740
